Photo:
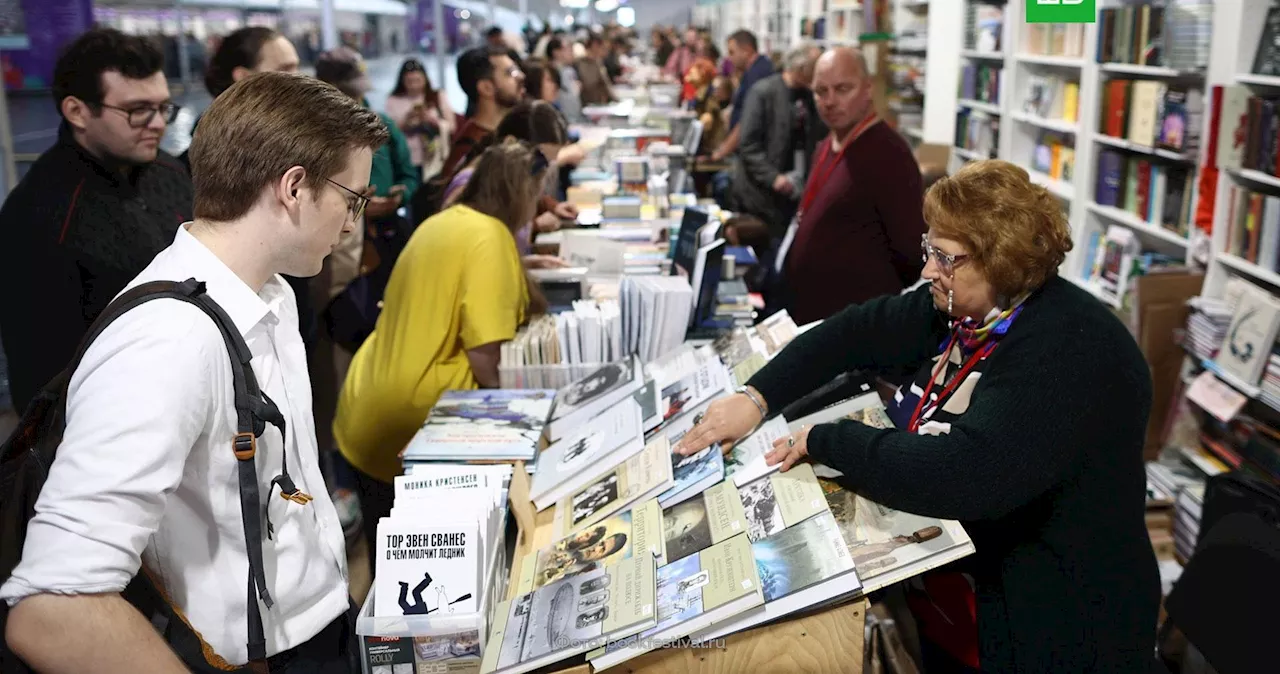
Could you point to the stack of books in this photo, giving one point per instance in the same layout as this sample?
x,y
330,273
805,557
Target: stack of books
x,y
484,424
1269,392
1207,326
441,568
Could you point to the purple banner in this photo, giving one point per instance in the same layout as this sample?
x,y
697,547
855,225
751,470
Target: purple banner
x,y
422,27
50,25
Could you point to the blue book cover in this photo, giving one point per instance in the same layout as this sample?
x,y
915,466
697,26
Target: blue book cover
x,y
499,424
1109,170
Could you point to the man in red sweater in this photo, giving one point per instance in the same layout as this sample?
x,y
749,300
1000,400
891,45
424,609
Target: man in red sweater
x,y
861,214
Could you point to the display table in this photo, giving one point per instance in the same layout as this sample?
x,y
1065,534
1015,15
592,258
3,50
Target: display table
x,y
821,640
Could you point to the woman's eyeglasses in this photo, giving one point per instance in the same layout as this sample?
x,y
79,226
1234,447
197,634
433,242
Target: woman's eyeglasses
x,y
140,116
946,263
356,204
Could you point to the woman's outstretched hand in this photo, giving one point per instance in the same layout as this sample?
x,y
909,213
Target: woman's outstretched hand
x,y
726,421
789,450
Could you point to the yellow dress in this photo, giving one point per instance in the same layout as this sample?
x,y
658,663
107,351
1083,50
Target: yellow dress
x,y
458,284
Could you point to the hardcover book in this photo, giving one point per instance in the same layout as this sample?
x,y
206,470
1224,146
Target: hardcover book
x,y
639,478
781,500
586,453
588,397
482,424
601,544
699,523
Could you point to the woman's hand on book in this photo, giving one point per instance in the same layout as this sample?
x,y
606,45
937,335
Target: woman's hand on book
x,y
789,450
726,421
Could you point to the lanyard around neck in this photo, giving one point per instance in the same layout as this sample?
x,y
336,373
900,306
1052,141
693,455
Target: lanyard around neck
x,y
814,184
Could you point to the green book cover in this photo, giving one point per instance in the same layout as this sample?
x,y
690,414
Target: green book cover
x,y
497,632
781,500
635,587
732,572
724,511
646,528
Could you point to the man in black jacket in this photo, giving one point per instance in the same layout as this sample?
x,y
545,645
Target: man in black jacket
x,y
780,129
93,210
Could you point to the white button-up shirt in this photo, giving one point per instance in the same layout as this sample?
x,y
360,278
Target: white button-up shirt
x,y
146,473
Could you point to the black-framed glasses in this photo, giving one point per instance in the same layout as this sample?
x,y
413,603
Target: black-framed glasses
x,y
140,116
946,263
357,204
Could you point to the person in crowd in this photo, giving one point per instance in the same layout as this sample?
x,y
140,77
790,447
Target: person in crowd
x,y
662,47
682,57
242,53
275,150
596,86
613,60
860,216
425,117
393,178
495,38
457,293
561,58
745,54
539,123
93,209
780,129
1026,422
493,84
570,156
542,83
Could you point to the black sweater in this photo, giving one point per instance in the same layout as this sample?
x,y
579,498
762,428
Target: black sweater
x,y
1044,469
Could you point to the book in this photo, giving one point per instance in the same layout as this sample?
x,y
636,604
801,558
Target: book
x,y
1247,345
780,500
482,424
639,478
601,544
800,566
427,568
571,616
746,461
596,446
703,589
588,397
887,545
698,523
866,409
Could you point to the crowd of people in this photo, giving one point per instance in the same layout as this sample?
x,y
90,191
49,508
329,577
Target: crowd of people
x,y
371,260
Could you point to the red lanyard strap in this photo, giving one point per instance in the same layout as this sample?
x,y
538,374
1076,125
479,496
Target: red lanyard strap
x,y
815,183
982,352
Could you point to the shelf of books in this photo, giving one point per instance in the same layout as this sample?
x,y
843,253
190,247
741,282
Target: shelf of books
x,y
907,61
1226,415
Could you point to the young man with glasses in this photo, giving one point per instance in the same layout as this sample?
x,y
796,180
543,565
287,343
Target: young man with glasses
x,y
94,209
145,479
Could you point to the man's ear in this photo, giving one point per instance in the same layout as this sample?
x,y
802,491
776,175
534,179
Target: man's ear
x,y
291,187
486,88
76,112
239,72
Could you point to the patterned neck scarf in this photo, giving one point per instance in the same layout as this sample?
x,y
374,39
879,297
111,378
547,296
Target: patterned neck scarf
x,y
972,335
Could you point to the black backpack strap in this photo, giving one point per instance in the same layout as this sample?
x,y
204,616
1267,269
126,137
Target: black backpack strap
x,y
254,410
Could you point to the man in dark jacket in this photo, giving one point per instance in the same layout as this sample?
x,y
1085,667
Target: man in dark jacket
x,y
780,128
93,210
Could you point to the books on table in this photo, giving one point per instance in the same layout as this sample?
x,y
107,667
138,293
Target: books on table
x,y
866,409
698,591
746,461
584,454
502,424
888,545
639,478
591,395
635,531
698,523
572,615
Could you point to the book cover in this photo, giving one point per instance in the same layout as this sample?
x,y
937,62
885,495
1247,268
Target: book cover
x,y
582,455
639,478
572,615
482,424
887,545
1249,338
698,523
601,544
423,569
704,587
692,474
781,500
746,461
595,392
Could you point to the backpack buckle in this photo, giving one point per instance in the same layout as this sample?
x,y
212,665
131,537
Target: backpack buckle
x,y
298,496
245,446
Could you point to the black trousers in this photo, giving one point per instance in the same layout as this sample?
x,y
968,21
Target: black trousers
x,y
376,499
333,650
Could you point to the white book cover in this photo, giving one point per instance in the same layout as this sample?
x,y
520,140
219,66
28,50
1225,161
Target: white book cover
x,y
425,569
746,462
594,448
639,478
594,393
1252,334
